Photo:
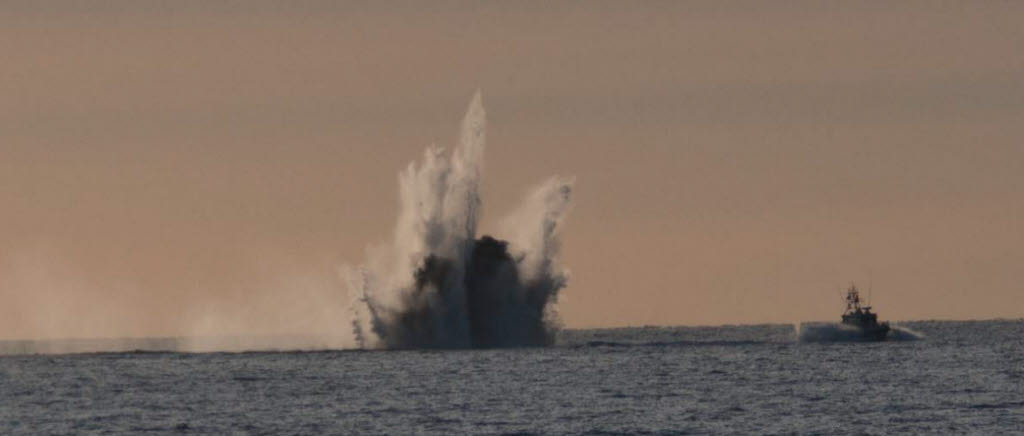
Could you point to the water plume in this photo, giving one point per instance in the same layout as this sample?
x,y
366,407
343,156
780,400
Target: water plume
x,y
440,286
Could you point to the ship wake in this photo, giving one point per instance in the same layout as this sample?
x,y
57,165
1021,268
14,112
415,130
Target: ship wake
x,y
820,332
439,285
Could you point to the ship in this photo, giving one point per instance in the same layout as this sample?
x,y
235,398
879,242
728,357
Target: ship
x,y
861,318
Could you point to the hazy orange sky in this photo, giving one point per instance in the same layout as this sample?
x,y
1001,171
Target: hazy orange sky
x,y
188,167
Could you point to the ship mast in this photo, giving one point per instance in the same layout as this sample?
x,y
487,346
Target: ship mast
x,y
852,299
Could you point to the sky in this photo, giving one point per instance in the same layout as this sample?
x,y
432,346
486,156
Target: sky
x,y
199,168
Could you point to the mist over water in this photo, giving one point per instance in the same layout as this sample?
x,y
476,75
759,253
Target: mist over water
x,y
439,284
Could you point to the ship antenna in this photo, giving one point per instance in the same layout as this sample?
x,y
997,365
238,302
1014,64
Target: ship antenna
x,y
871,285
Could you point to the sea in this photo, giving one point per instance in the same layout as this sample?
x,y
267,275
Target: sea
x,y
934,377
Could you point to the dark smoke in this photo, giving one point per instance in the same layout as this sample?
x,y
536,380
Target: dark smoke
x,y
502,311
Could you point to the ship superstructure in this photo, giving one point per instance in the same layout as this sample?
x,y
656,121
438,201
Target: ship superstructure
x,y
862,318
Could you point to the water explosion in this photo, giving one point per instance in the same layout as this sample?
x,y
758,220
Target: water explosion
x,y
438,285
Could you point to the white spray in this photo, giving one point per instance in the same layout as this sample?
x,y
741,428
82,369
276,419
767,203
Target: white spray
x,y
440,286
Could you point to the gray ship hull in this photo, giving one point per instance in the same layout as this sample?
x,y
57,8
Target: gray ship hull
x,y
873,333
